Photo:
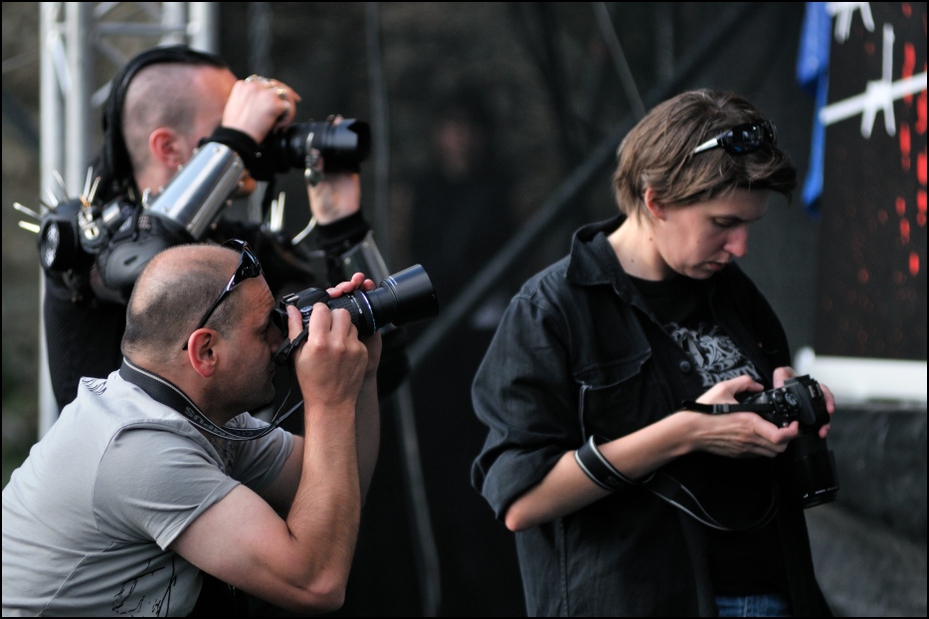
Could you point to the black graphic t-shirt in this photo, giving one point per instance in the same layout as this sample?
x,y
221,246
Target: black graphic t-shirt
x,y
741,563
680,304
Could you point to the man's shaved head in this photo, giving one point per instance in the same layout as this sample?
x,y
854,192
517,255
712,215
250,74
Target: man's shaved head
x,y
114,164
172,96
172,294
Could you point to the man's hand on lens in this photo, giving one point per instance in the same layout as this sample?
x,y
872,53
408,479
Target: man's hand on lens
x,y
372,343
336,194
331,364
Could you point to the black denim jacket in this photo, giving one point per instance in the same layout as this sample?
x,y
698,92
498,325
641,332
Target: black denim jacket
x,y
578,353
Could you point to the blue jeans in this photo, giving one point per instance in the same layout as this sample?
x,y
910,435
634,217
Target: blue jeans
x,y
763,605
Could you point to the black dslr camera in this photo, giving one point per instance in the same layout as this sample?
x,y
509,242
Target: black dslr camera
x,y
343,146
808,464
401,298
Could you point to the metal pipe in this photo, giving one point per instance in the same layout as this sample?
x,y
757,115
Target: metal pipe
x,y
77,101
51,158
425,551
611,39
379,128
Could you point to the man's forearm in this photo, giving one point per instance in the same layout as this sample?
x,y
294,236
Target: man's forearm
x,y
327,507
367,433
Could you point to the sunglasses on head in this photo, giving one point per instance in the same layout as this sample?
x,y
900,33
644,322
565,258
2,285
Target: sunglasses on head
x,y
248,268
743,138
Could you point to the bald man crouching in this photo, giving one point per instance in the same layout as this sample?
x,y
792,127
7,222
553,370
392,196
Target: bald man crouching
x,y
156,472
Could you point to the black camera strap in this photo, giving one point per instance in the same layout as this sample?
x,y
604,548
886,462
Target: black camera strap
x,y
724,409
663,485
673,492
282,356
167,393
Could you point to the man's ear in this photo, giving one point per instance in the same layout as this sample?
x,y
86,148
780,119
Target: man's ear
x,y
655,208
167,147
202,352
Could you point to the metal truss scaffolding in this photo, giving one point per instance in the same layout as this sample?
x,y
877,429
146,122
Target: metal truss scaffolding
x,y
82,45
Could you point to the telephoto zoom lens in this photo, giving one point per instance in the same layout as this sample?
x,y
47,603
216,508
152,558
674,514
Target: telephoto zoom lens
x,y
401,298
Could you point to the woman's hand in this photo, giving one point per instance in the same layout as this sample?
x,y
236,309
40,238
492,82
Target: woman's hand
x,y
737,435
781,375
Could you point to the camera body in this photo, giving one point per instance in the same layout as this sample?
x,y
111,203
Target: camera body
x,y
401,298
807,465
800,399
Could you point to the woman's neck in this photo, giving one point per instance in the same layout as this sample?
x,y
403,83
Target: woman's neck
x,y
635,247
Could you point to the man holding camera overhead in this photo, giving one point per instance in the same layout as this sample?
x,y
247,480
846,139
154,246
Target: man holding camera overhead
x,y
155,473
182,135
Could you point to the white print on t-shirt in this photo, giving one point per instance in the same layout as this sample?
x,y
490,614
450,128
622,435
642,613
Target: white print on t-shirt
x,y
715,355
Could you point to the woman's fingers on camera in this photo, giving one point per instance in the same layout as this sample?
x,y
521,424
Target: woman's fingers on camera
x,y
781,375
830,399
744,435
725,391
769,439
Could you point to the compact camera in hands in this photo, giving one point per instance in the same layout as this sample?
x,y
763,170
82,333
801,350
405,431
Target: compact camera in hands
x,y
401,298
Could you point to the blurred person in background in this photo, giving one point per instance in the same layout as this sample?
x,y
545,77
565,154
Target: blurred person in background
x,y
463,213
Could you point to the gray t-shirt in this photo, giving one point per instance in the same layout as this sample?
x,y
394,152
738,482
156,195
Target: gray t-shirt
x,y
88,516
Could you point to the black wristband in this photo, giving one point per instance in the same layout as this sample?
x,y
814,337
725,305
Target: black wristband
x,y
247,148
598,468
340,235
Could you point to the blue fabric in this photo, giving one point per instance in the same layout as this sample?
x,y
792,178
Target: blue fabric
x,y
813,76
763,605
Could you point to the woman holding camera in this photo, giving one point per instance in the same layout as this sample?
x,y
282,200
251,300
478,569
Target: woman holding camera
x,y
582,387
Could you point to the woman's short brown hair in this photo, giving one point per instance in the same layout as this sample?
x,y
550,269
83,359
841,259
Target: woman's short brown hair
x,y
658,154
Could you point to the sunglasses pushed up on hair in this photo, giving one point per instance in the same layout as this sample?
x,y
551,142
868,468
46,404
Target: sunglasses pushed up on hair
x,y
743,138
248,268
